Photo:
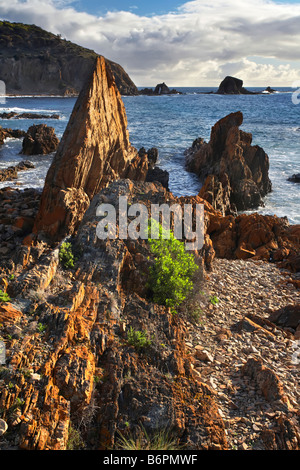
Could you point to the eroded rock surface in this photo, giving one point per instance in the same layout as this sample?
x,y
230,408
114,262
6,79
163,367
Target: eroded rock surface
x,y
70,367
235,174
39,140
94,151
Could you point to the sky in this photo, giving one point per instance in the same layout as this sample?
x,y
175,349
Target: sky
x,y
195,43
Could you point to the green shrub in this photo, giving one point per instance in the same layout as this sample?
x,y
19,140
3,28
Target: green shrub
x,y
139,339
172,272
75,441
66,255
214,300
4,297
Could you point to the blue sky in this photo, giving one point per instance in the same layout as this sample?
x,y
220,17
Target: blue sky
x,y
192,43
140,7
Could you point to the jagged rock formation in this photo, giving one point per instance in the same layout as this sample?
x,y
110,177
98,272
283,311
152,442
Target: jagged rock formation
x,y
94,151
70,365
39,140
154,174
85,373
234,172
256,237
34,61
232,86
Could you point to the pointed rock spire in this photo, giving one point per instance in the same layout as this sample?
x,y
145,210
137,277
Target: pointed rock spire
x,y
94,151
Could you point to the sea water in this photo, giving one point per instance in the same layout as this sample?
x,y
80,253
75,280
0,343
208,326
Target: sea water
x,y
171,123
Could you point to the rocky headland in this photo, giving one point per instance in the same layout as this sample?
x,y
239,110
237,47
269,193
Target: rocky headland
x,y
36,62
220,374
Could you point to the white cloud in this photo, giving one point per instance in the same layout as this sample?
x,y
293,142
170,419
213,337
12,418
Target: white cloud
x,y
197,45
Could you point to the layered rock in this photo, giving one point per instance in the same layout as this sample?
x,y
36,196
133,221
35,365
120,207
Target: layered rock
x,y
93,151
257,237
39,140
82,373
234,172
69,334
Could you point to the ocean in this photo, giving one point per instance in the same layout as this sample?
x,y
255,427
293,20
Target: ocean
x,y
171,123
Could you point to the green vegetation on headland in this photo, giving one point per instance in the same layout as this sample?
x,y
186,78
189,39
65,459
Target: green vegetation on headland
x,y
35,61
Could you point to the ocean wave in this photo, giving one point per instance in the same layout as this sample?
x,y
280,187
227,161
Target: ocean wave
x,y
15,109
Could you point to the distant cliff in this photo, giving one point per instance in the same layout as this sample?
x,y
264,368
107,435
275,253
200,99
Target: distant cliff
x,y
34,61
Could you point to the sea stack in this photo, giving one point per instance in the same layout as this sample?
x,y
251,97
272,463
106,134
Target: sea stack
x,y
93,151
235,174
232,86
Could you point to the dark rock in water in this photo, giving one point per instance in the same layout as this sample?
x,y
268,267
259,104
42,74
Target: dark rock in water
x,y
11,173
39,140
232,86
14,133
295,178
270,90
151,155
14,115
234,173
158,175
155,174
160,89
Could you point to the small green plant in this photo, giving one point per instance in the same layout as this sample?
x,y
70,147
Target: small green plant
x,y
41,328
4,297
66,255
138,339
19,402
160,440
75,441
196,315
173,270
214,300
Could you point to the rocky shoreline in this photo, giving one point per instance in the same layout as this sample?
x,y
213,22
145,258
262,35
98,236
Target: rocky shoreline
x,y
219,374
